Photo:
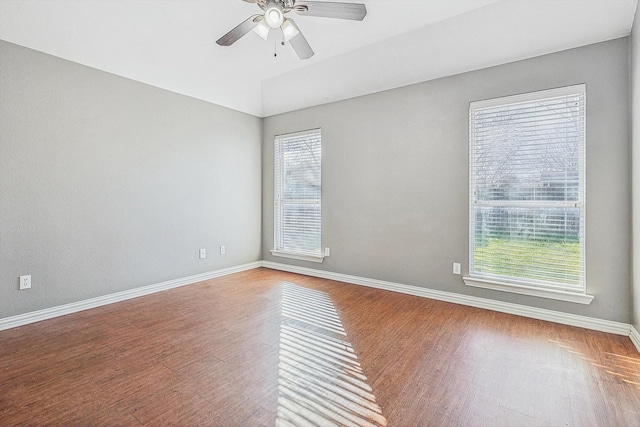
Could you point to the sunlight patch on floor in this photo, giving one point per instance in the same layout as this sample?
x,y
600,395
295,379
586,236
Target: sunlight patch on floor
x,y
626,368
320,381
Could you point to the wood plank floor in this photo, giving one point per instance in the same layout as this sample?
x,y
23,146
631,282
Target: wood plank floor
x,y
266,348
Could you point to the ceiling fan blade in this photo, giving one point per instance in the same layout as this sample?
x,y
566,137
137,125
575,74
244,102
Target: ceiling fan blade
x,y
300,44
325,9
234,35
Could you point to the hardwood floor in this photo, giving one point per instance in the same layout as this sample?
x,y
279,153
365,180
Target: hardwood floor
x,y
266,348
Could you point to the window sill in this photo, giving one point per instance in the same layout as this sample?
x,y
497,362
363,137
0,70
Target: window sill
x,y
298,256
575,297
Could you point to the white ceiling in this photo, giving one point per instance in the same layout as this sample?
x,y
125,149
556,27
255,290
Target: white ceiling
x,y
171,43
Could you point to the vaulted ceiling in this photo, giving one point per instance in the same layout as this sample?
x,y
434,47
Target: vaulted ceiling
x,y
171,44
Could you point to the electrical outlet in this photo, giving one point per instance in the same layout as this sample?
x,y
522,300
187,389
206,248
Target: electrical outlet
x,y
203,253
456,268
223,250
327,252
25,282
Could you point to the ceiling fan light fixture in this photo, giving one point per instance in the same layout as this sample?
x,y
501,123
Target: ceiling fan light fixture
x,y
262,29
289,30
274,16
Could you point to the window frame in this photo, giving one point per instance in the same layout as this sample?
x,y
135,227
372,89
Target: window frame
x,y
523,285
279,250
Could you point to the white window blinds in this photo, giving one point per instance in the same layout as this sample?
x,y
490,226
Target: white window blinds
x,y
527,189
297,192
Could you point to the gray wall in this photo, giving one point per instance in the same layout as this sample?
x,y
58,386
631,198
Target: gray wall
x,y
395,176
635,122
107,184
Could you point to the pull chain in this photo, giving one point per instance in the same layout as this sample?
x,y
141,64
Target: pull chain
x,y
275,48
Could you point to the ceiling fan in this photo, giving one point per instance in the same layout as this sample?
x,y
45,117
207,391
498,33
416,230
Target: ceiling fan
x,y
274,17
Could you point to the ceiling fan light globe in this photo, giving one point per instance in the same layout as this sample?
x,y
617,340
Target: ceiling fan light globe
x,y
262,29
289,30
274,17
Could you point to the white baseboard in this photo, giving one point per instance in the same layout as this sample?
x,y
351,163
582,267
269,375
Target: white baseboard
x,y
503,307
635,337
61,310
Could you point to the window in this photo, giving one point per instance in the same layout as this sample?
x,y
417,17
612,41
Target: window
x,y
297,195
526,194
